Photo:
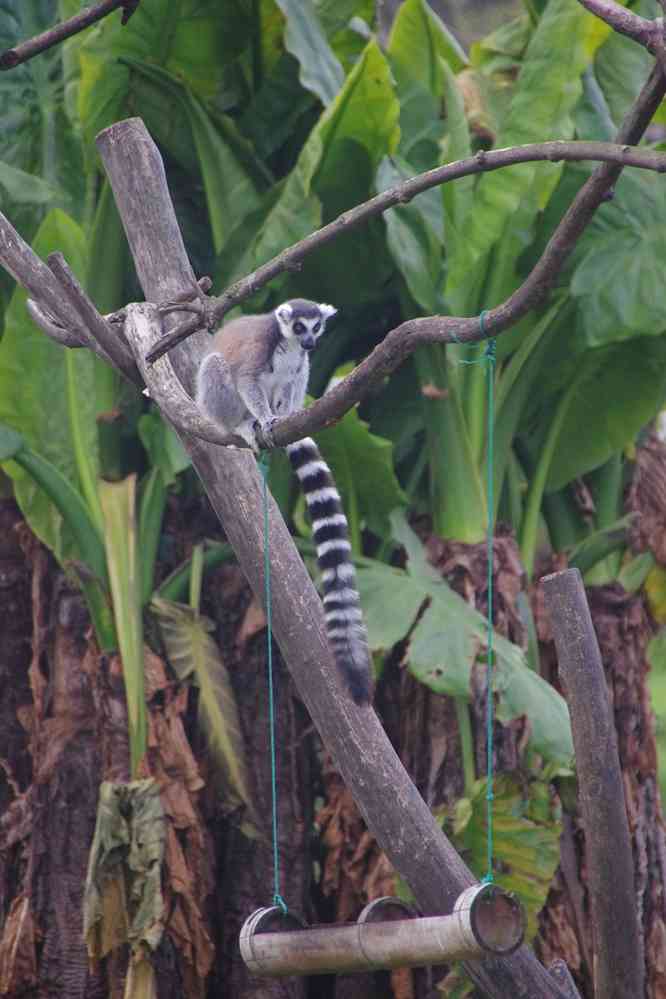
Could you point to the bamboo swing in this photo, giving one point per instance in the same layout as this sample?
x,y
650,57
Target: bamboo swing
x,y
485,920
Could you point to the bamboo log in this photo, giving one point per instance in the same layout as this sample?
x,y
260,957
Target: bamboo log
x,y
618,969
485,920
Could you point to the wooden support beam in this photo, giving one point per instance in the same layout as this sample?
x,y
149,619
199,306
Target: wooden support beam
x,y
618,968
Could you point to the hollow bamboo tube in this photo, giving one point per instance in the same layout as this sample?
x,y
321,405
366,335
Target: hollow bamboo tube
x,y
485,920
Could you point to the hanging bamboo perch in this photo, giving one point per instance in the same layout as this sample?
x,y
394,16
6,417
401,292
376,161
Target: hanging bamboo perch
x,y
485,920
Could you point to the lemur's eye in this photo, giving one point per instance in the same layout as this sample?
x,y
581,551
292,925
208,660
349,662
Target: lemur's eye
x,y
299,328
317,326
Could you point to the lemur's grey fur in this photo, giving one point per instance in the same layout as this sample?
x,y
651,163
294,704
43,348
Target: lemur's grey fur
x,y
256,371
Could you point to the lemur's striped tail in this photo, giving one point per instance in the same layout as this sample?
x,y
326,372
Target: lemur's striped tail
x,y
344,620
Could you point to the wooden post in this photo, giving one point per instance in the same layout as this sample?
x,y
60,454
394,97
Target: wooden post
x,y
618,969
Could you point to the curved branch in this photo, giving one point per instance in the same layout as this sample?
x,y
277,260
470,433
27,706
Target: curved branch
x,y
402,341
52,328
482,162
40,43
98,330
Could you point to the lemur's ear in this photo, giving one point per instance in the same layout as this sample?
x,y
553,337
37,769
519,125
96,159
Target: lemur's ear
x,y
327,310
284,312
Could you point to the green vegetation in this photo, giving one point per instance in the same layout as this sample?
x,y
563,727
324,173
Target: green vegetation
x,y
273,118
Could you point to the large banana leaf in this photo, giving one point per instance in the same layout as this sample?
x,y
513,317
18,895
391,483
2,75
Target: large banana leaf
x,y
548,87
447,636
47,394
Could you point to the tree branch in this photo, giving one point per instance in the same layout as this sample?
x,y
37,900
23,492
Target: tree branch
x,y
483,162
99,330
624,21
402,341
40,43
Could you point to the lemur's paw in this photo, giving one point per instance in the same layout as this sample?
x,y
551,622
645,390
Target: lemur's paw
x,y
264,433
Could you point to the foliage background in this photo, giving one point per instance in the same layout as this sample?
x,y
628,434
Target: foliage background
x,y
273,117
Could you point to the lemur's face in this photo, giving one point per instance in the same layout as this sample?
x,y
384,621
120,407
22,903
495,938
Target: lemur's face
x,y
303,322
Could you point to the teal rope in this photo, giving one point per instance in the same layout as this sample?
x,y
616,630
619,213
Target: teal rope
x,y
490,358
277,897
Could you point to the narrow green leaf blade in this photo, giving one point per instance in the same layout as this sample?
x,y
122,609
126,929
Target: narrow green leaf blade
x,y
120,535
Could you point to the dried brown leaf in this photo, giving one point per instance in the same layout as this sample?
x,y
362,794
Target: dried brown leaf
x,y
18,949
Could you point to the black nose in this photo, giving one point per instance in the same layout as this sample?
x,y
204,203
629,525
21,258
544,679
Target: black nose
x,y
307,342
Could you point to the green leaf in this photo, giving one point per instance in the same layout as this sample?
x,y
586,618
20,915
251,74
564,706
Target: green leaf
x,y
336,166
618,275
24,188
364,113
457,496
36,138
457,198
502,49
362,466
194,655
446,640
634,572
656,677
419,40
412,239
420,50
195,40
66,499
175,586
526,838
545,94
120,535
622,67
224,158
598,545
151,512
271,117
47,393
335,15
163,446
622,389
304,37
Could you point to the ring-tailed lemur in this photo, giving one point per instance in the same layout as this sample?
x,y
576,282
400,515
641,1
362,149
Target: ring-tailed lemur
x,y
255,371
